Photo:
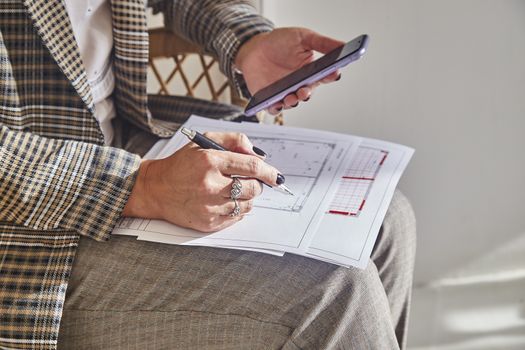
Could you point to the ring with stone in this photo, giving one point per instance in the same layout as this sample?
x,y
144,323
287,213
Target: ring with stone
x,y
237,210
236,188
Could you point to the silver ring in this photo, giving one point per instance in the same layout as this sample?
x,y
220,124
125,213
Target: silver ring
x,y
237,210
236,188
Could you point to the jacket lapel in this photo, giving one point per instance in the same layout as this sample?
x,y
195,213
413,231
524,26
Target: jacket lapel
x,y
54,27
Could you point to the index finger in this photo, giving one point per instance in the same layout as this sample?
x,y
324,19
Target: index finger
x,y
249,166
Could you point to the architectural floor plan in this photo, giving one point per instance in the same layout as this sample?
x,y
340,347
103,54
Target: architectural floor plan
x,y
342,184
310,161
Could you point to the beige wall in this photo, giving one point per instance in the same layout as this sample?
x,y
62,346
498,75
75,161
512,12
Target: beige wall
x,y
448,78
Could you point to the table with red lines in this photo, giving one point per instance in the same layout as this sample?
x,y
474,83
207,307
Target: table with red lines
x,y
356,182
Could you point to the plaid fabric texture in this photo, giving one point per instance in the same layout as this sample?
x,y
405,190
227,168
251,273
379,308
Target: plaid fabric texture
x,y
196,20
57,180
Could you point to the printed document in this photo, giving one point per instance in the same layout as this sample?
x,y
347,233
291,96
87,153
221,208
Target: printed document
x,y
343,185
309,160
349,227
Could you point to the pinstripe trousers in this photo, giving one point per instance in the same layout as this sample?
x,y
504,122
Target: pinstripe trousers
x,y
129,294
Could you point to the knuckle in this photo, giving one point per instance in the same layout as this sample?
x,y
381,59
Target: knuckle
x,y
206,211
208,159
252,189
208,185
254,165
207,221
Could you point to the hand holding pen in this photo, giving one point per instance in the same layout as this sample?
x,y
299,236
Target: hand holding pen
x,y
206,143
193,186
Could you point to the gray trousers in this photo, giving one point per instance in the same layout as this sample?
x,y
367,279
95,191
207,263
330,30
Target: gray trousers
x,y
129,294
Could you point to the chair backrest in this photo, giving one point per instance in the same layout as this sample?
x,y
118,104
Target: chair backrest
x,y
164,44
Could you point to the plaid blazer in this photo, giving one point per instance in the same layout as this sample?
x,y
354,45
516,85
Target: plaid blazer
x,y
57,179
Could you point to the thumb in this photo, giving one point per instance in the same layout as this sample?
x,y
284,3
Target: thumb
x,y
317,42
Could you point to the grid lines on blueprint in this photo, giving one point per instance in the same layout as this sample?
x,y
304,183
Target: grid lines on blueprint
x,y
300,161
357,181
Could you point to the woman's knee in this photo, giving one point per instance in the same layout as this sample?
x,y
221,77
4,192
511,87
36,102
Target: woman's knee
x,y
400,216
398,232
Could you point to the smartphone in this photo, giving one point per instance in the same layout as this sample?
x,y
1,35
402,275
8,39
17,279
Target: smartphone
x,y
308,74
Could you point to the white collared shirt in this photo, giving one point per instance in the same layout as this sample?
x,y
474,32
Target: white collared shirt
x,y
92,25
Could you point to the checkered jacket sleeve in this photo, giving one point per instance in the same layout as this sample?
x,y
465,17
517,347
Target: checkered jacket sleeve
x,y
220,27
48,184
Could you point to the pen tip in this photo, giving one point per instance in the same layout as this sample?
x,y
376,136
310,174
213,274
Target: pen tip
x,y
287,190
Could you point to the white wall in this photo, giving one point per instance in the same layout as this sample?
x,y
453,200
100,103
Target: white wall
x,y
448,78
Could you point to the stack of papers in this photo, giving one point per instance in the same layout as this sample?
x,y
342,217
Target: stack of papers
x,y
343,185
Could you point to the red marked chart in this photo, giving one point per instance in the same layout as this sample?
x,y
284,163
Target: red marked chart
x,y
356,182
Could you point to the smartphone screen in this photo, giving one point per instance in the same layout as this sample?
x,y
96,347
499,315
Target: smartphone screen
x,y
307,74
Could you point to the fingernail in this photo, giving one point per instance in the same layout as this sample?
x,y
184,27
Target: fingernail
x,y
295,105
307,99
259,151
280,179
338,77
280,109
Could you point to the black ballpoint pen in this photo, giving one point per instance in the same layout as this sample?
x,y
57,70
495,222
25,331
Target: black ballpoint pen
x,y
206,143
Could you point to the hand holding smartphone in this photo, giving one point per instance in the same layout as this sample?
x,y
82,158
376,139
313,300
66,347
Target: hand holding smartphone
x,y
308,74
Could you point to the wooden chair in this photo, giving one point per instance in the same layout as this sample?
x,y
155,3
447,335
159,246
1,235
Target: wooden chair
x,y
165,44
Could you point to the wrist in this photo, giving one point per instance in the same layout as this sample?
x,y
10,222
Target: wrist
x,y
245,50
139,203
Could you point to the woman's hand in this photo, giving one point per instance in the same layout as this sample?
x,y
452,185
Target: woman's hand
x,y
192,187
267,57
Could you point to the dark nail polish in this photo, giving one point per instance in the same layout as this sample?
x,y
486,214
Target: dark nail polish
x,y
279,109
295,105
259,151
307,99
280,179
338,77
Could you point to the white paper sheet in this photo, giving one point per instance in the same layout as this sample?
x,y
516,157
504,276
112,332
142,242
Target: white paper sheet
x,y
310,161
172,239
348,229
343,186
